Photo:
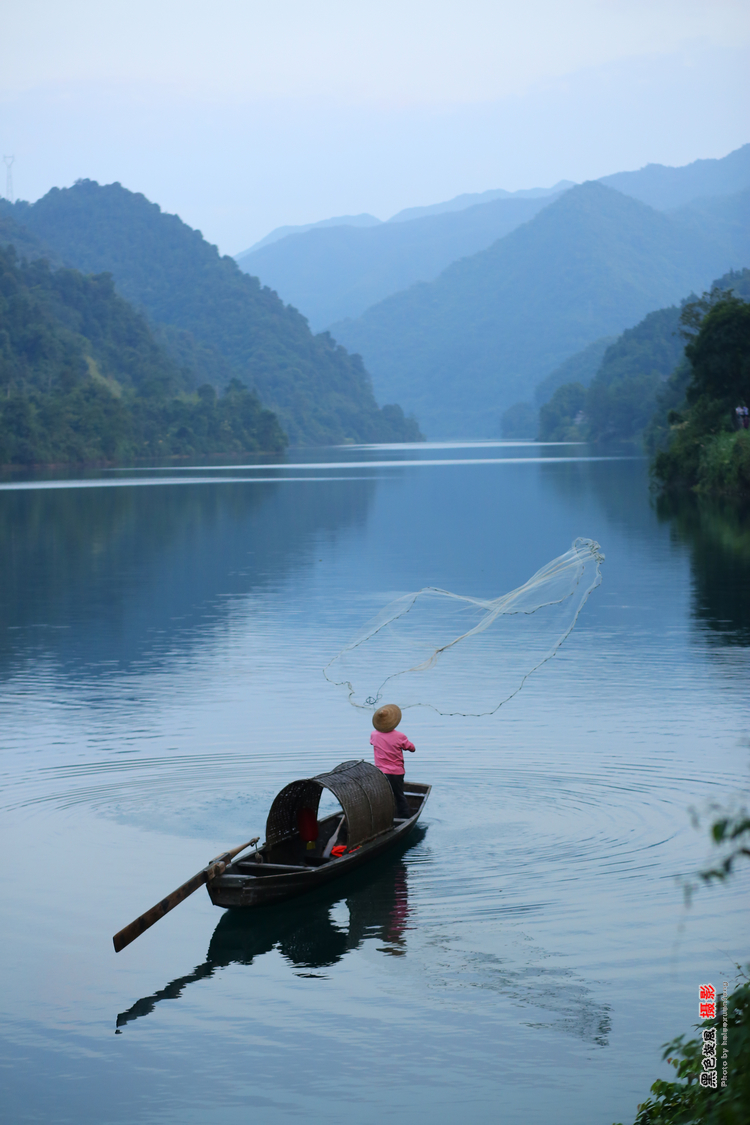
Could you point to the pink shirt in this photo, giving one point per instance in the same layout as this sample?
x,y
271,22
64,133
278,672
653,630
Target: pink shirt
x,y
389,750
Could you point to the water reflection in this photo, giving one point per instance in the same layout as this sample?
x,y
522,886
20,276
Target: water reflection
x,y
620,488
717,533
316,931
305,931
107,576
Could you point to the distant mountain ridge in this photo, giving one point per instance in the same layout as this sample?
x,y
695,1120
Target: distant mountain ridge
x,y
210,315
473,199
333,270
642,374
363,220
339,272
461,349
665,188
459,203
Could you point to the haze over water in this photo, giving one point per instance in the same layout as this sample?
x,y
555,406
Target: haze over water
x,y
161,679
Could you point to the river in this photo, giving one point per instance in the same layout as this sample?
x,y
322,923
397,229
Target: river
x,y
164,632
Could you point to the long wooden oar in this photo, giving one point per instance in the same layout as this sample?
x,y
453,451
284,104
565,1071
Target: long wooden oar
x,y
216,867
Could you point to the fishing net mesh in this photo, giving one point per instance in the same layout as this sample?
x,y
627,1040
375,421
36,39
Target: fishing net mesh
x,y
463,655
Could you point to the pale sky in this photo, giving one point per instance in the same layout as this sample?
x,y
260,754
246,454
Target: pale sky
x,y
242,115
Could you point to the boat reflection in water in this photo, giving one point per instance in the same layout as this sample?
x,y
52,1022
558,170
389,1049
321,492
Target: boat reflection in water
x,y
304,930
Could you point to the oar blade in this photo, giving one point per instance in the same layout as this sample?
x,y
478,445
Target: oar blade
x,y
145,921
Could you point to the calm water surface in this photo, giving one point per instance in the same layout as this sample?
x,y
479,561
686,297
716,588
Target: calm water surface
x,y
164,632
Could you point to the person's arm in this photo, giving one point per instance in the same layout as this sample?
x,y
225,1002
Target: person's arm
x,y
406,745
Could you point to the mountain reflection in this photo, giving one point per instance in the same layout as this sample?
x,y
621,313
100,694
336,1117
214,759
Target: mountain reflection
x,y
718,535
716,531
304,931
115,576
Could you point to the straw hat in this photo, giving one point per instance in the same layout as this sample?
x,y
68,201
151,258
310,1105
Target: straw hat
x,y
387,718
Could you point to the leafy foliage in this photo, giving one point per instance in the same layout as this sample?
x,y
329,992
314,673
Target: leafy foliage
x,y
623,394
706,452
522,419
686,1101
720,352
563,418
222,323
732,830
83,379
27,245
642,376
579,368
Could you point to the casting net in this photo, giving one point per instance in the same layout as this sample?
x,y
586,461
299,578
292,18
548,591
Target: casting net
x,y
463,655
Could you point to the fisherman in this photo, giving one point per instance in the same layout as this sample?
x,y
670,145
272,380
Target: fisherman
x,y
389,745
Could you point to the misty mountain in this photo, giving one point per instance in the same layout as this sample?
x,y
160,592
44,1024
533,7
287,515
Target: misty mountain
x,y
82,378
726,218
579,368
521,420
459,203
666,188
363,220
622,395
210,314
338,272
461,349
335,269
27,245
473,199
642,375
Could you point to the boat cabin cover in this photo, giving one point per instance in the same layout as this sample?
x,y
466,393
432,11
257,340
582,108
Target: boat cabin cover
x,y
364,793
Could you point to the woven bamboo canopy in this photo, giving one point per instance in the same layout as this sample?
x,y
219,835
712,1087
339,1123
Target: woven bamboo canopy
x,y
363,792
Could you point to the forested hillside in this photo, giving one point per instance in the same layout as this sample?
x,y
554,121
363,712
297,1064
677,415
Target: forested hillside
x,y
521,420
707,444
339,271
579,368
642,376
458,351
83,379
220,319
621,398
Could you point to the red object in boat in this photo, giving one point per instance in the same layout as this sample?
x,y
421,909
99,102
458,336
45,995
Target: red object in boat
x,y
307,823
338,850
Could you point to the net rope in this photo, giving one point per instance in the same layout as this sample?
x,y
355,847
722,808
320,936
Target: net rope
x,y
462,655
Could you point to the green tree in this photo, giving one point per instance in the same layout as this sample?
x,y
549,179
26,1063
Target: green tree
x,y
705,450
691,1100
720,354
562,418
208,315
83,379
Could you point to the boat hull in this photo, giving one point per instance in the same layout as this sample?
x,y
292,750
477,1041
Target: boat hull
x,y
238,889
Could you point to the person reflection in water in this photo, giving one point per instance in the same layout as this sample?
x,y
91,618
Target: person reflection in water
x,y
394,934
389,745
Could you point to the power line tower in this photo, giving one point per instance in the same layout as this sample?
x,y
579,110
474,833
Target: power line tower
x,y
8,160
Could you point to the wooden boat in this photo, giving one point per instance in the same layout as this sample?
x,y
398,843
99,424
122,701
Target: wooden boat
x,y
301,852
